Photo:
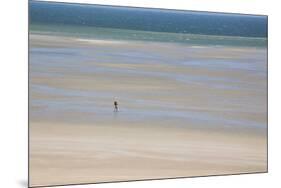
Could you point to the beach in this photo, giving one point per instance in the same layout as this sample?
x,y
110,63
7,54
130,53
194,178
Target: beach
x,y
68,154
184,110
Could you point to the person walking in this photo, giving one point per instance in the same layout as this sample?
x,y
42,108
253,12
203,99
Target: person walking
x,y
115,106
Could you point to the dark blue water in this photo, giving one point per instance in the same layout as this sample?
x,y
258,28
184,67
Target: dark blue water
x,y
143,19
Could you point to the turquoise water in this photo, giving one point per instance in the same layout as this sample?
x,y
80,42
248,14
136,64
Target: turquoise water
x,y
125,34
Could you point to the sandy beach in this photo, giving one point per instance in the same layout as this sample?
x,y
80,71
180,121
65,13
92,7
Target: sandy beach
x,y
185,110
66,154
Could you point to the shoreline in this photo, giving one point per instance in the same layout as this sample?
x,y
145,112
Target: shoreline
x,y
141,41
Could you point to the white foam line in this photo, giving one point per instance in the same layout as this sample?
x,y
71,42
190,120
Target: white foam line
x,y
99,41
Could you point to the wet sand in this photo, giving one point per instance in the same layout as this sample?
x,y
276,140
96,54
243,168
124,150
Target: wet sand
x,y
184,110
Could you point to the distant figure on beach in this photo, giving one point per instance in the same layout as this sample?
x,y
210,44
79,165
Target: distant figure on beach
x,y
115,106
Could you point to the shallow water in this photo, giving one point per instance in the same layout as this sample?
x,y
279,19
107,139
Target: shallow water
x,y
207,86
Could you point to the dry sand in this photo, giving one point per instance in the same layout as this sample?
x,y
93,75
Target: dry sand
x,y
65,154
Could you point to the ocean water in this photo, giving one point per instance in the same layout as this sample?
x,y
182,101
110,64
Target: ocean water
x,y
149,19
122,23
